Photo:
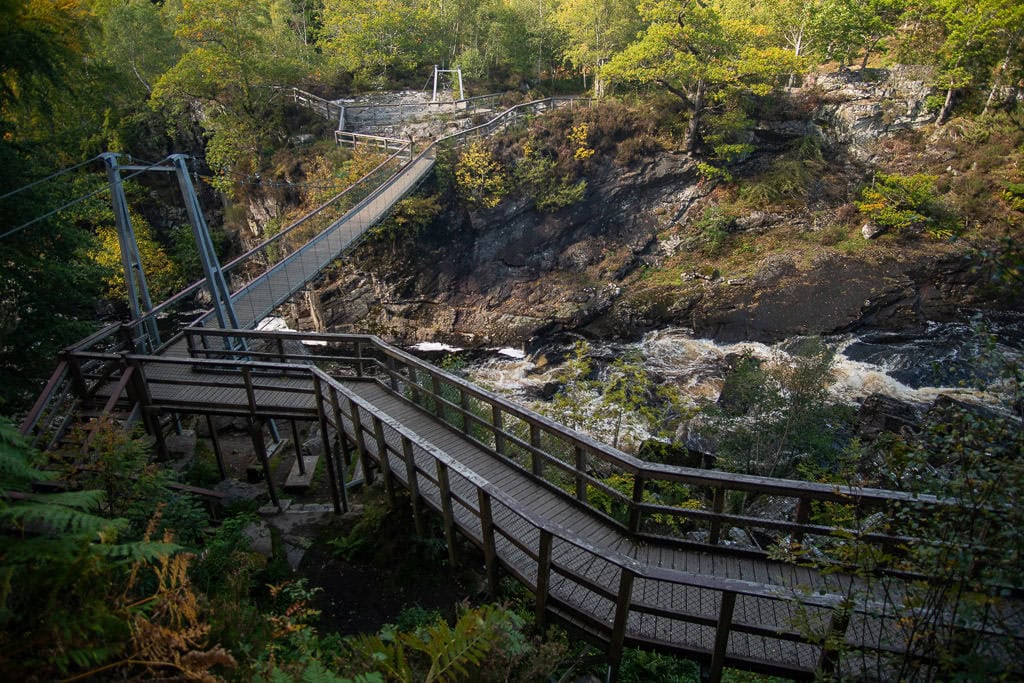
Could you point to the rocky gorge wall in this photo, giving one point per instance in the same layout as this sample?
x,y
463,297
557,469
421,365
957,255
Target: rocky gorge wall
x,y
626,259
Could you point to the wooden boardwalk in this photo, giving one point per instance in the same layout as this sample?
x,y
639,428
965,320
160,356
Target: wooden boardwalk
x,y
583,569
496,473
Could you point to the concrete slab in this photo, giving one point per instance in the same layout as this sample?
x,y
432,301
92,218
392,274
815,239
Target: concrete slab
x,y
298,481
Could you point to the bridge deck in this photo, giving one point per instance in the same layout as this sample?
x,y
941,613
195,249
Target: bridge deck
x,y
256,300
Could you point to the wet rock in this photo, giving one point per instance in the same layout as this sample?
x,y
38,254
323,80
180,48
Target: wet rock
x,y
880,413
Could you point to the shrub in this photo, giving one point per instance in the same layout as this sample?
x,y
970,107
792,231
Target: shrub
x,y
902,203
1014,196
713,227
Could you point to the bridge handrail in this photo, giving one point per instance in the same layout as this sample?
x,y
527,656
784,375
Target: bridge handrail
x,y
627,598
390,361
276,370
475,101
234,263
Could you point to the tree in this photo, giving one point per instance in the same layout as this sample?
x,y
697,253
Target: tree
x,y
847,28
594,31
701,56
138,37
235,56
479,178
378,39
773,417
981,41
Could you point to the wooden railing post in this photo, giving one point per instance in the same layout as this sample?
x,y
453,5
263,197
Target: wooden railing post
x,y
392,373
414,385
280,350
359,359
803,515
357,425
717,506
435,386
299,461
250,392
383,458
447,512
499,436
581,470
414,489
487,537
536,462
638,499
618,636
464,403
145,399
321,412
543,576
721,637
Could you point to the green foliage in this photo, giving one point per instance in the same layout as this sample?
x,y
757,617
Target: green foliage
x,y
616,403
641,666
536,174
713,229
63,568
1014,196
378,39
969,548
479,178
408,218
902,203
437,652
775,417
416,617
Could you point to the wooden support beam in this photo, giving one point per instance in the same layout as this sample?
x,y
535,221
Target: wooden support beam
x,y
464,403
487,537
258,443
217,452
447,511
536,462
543,576
638,499
499,436
803,515
721,637
831,649
298,448
325,439
581,470
618,636
717,505
384,459
414,488
435,386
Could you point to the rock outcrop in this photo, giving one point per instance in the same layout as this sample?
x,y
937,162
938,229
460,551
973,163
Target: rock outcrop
x,y
608,265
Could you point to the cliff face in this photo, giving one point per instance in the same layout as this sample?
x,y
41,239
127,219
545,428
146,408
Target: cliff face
x,y
631,256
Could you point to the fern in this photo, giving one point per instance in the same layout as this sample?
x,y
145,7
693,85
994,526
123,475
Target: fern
x,y
448,654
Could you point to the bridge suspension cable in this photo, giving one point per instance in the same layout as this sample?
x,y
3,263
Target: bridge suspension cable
x,y
56,174
77,200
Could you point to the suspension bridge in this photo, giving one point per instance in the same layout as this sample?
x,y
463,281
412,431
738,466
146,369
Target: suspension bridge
x,y
534,496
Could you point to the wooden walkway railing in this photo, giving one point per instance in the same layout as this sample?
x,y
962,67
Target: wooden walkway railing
x,y
407,419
